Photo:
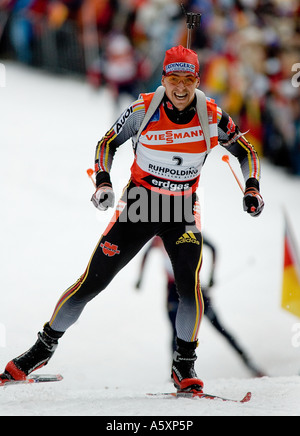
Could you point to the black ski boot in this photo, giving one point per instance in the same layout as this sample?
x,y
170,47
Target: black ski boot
x,y
36,357
183,371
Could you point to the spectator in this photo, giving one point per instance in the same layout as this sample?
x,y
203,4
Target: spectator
x,y
21,30
120,68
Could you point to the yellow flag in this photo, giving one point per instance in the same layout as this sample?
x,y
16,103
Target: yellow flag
x,y
291,274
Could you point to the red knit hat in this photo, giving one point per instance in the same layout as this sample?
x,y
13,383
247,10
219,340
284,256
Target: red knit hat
x,y
180,59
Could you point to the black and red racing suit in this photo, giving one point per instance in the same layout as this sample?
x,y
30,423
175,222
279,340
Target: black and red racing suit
x,y
160,199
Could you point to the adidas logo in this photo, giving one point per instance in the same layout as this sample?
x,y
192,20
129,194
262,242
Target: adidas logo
x,y
188,237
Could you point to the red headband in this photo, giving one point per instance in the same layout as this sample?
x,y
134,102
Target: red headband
x,y
180,59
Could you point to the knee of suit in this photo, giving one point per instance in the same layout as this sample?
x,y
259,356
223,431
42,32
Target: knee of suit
x,y
91,286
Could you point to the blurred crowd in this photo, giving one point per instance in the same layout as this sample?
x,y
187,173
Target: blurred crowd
x,y
249,52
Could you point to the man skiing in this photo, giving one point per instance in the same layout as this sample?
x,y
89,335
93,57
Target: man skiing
x,y
172,131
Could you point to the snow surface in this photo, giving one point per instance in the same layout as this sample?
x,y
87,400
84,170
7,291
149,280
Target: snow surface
x,y
120,348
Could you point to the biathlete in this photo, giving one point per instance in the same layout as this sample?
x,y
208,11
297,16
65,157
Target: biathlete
x,y
160,199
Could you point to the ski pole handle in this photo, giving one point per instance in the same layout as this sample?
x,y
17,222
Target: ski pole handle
x,y
90,173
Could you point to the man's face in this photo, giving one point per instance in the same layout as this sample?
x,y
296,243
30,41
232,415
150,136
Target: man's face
x,y
180,88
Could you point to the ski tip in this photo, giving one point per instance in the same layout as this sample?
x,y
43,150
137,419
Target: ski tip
x,y
59,377
247,397
45,377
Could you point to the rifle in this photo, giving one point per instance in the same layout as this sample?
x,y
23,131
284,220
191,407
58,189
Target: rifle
x,y
193,20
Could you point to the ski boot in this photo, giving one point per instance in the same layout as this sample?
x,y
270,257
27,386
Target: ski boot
x,y
36,357
183,373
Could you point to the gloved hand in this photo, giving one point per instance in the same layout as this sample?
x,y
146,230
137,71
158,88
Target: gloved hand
x,y
253,202
104,197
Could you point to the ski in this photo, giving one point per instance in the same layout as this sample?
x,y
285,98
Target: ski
x,y
200,395
36,378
